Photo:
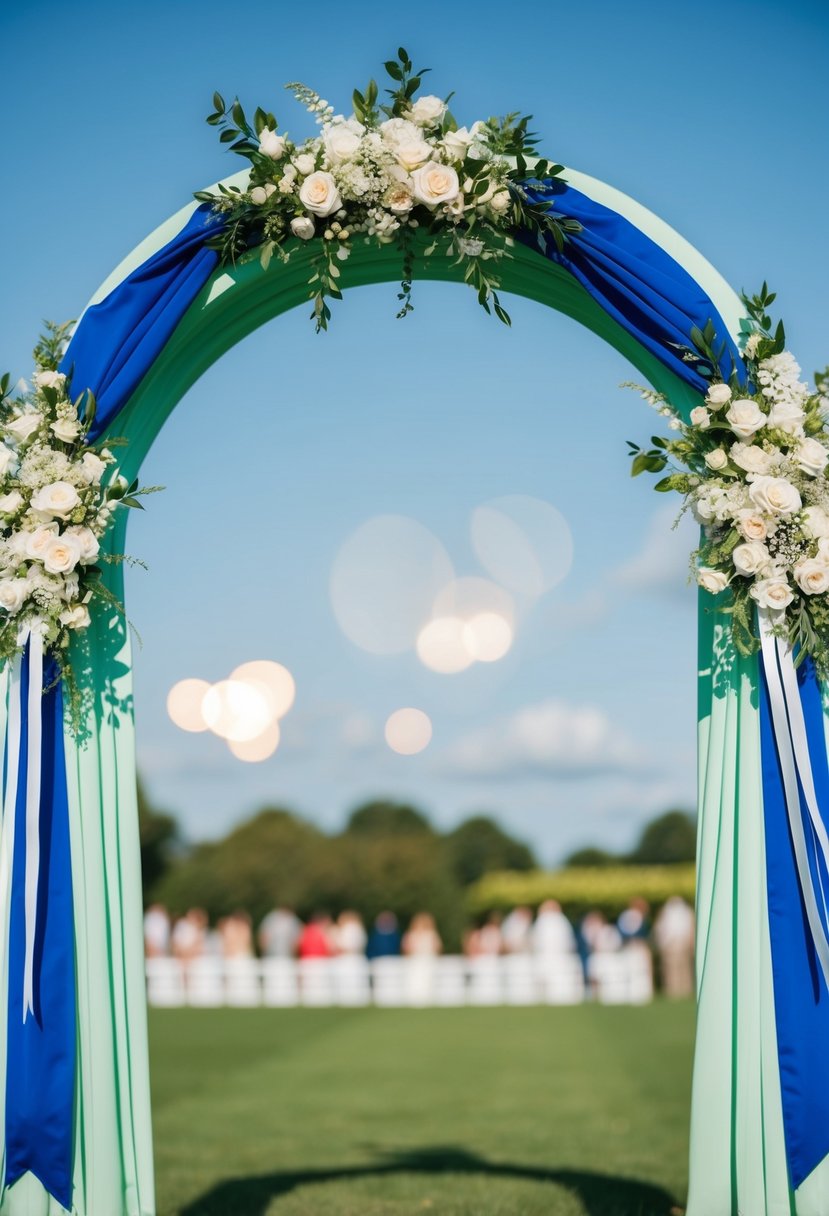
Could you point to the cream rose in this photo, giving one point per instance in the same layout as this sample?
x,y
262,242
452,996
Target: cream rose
x,y
305,163
811,457
750,558
773,593
710,580
303,227
456,144
66,429
6,457
48,379
786,416
816,523
745,417
718,395
93,466
36,543
319,194
342,140
88,542
271,144
427,110
11,503
13,593
435,184
717,459
62,554
700,417
412,152
500,202
812,576
24,426
260,194
58,500
751,525
76,617
750,457
774,495
399,198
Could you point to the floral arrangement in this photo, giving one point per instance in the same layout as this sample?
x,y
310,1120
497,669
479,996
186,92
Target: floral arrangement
x,y
755,457
381,173
58,496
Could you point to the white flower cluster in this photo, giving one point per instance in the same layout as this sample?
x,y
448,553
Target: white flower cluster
x,y
765,510
357,178
54,508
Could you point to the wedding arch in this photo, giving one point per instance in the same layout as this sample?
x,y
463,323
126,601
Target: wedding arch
x,y
73,1053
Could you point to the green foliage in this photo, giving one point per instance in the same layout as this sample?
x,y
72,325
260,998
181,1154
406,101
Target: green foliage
x,y
158,838
590,856
608,888
382,819
667,840
479,845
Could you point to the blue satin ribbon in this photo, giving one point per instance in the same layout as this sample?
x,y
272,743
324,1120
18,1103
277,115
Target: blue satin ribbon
x,y
801,999
40,1069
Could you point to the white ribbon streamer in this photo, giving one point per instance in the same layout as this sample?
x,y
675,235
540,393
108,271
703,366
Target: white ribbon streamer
x,y
793,752
33,777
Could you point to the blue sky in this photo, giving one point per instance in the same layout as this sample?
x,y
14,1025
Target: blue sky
x,y
715,118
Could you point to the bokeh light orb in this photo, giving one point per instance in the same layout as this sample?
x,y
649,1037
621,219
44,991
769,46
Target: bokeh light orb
x,y
408,731
272,680
524,543
487,637
441,646
384,580
236,711
469,597
184,704
263,746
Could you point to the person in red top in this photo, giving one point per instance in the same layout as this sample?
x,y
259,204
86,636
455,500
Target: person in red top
x,y
315,940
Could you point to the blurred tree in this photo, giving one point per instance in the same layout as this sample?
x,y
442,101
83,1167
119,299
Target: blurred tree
x,y
670,837
479,845
591,856
383,818
158,837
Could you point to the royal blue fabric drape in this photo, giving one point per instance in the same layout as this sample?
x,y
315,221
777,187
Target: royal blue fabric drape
x,y
40,1070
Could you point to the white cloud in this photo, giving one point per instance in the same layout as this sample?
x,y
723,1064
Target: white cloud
x,y
551,738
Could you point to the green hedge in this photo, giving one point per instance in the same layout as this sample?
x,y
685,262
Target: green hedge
x,y
578,889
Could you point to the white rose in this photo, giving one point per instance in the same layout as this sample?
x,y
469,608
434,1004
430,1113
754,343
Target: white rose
x,y
305,163
48,379
66,429
395,131
823,550
412,152
427,110
752,526
816,523
58,500
710,580
717,459
812,576
718,395
6,457
399,198
62,554
434,184
76,617
745,417
501,202
811,457
342,140
750,457
36,543
303,227
456,144
774,495
700,417
772,592
88,542
703,510
13,592
11,503
93,466
750,558
24,426
260,194
319,194
786,416
271,144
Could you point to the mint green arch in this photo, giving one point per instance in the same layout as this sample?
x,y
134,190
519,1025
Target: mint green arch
x,y
737,1152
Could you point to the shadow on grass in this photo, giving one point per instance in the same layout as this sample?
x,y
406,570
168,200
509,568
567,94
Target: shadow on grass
x,y
600,1194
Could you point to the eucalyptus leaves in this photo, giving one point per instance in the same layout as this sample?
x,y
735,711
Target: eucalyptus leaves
x,y
381,174
756,454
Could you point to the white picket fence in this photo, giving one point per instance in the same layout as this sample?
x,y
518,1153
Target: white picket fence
x,y
622,978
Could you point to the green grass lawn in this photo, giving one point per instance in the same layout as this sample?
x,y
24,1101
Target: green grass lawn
x,y
459,1112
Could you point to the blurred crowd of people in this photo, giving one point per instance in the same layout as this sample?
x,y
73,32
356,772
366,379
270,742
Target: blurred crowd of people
x,y
546,934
